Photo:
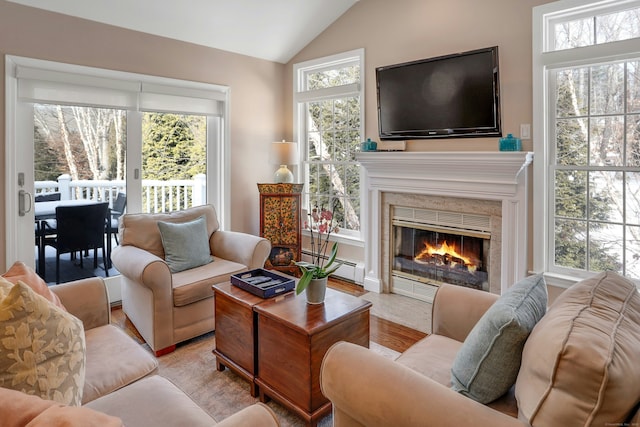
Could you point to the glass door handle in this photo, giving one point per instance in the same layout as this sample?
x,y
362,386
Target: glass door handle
x,y
22,197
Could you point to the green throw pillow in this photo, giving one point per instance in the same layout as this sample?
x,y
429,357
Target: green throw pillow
x,y
186,244
487,364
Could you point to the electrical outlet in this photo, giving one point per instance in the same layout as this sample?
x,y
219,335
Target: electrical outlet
x,y
525,131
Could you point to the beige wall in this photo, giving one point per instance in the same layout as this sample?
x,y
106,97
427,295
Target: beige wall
x,y
257,100
397,31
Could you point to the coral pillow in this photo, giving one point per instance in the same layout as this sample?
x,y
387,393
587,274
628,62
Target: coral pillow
x,y
580,364
42,348
21,271
19,409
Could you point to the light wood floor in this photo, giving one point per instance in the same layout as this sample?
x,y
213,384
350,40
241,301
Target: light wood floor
x,y
388,334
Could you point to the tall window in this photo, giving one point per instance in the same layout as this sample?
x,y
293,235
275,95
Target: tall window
x,y
588,152
329,121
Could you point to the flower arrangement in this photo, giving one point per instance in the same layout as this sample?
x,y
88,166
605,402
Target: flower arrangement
x,y
320,226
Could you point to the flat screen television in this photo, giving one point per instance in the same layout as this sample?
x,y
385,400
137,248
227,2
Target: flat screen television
x,y
448,96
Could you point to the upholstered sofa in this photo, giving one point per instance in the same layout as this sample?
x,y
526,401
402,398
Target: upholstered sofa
x,y
578,367
169,307
118,384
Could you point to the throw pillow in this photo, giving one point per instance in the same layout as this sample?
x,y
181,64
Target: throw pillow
x,y
487,364
21,271
42,347
580,364
186,244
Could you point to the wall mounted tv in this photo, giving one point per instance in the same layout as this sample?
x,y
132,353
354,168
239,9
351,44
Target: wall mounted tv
x,y
449,96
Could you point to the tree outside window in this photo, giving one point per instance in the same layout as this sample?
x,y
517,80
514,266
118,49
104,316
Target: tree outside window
x,y
330,127
593,141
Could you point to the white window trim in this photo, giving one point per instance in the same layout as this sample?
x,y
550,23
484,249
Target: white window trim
x,y
301,96
543,61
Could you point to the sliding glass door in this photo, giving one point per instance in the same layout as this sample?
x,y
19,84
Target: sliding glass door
x,y
94,138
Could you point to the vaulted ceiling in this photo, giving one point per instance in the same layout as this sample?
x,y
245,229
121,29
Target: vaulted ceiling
x,y
269,29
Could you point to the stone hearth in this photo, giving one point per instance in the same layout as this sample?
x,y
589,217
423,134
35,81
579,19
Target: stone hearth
x,y
493,183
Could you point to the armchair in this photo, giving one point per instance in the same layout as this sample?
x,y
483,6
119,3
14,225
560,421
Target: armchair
x,y
578,366
170,307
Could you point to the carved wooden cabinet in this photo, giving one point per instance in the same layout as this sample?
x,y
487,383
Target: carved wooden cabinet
x,y
280,215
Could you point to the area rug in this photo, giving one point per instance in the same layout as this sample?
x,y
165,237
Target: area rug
x,y
192,367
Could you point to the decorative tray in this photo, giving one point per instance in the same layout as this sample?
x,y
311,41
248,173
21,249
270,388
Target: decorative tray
x,y
263,283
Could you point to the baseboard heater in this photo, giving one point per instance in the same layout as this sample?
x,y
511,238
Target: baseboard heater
x,y
349,270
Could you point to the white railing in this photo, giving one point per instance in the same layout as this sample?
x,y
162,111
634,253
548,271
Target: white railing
x,y
157,196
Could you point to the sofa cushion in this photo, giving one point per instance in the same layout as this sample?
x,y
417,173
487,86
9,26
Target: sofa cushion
x,y
432,357
21,271
141,229
580,364
113,361
488,362
153,401
195,284
19,410
42,347
186,244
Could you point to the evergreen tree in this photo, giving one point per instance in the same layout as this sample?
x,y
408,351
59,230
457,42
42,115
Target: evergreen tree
x,y
174,146
573,203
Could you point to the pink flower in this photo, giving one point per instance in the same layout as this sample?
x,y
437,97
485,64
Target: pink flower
x,y
320,222
326,215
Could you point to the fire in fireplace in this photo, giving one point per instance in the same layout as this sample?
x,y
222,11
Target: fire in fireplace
x,y
441,255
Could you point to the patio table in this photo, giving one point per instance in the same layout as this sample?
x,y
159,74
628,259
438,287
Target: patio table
x,y
47,210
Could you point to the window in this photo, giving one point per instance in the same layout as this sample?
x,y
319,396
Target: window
x,y
328,98
42,96
587,113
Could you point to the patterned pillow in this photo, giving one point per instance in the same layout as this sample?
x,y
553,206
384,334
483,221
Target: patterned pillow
x,y
42,347
487,364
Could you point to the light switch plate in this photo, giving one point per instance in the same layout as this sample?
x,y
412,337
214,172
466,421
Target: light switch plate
x,y
525,131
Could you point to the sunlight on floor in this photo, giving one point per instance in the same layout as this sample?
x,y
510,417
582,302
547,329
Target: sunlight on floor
x,y
406,311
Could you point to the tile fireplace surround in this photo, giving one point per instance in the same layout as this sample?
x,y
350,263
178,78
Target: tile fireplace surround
x,y
494,179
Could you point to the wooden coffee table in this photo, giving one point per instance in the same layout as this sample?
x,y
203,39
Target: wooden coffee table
x,y
294,336
236,333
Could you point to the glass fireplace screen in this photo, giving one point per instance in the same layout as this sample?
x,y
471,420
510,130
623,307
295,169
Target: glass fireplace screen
x,y
446,256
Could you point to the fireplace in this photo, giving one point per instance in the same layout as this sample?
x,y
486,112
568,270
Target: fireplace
x,y
437,255
468,200
434,240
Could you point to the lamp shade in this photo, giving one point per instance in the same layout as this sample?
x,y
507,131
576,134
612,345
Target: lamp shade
x,y
284,153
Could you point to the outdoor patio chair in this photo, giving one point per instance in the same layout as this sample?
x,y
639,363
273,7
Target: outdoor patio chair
x,y
79,228
119,205
117,210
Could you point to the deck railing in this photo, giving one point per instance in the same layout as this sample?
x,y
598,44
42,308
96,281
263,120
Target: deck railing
x,y
157,195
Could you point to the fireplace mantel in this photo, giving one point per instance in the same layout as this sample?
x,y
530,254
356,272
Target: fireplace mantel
x,y
500,176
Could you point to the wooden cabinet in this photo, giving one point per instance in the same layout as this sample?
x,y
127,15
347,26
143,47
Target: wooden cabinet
x,y
236,332
280,222
294,336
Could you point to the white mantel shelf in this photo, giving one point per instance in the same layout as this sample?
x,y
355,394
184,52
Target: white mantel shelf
x,y
495,175
471,172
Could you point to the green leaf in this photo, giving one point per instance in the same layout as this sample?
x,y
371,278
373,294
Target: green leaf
x,y
334,253
304,281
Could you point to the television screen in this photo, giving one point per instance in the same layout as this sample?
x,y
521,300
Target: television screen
x,y
448,96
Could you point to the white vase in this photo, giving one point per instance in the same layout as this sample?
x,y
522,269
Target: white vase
x,y
316,290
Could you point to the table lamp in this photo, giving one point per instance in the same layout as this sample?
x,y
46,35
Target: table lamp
x,y
283,154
